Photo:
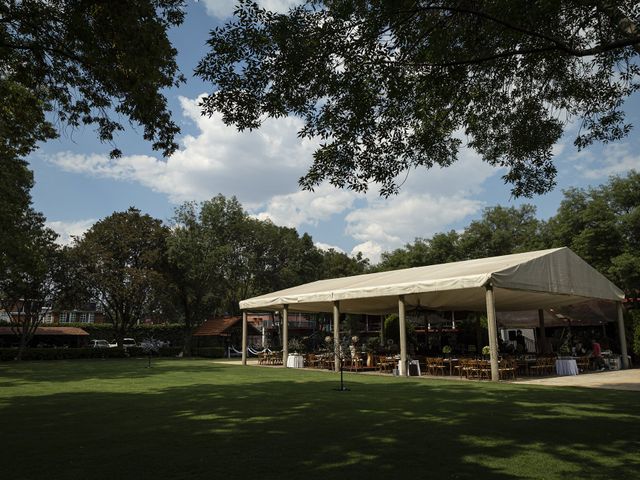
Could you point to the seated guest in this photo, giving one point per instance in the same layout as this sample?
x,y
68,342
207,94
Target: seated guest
x,y
596,355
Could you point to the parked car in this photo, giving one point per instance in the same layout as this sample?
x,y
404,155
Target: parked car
x,y
126,342
99,344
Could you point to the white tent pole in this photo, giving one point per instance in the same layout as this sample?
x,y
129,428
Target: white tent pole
x,y
403,335
285,334
336,335
244,337
622,335
493,329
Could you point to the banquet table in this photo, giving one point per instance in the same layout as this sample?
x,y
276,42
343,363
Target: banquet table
x,y
566,367
295,360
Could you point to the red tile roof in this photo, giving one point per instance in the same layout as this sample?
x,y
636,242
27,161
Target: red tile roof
x,y
49,331
219,327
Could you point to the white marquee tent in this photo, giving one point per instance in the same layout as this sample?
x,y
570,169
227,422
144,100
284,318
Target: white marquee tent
x,y
522,281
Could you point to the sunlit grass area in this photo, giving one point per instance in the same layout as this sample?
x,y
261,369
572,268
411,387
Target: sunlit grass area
x,y
195,419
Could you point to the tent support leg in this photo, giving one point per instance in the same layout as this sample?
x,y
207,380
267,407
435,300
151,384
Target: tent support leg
x,y
493,333
244,337
543,334
285,334
336,335
622,335
403,336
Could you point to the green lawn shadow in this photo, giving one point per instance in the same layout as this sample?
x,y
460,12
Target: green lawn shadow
x,y
197,419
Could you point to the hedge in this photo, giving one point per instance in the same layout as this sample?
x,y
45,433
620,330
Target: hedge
x,y
172,332
209,352
8,354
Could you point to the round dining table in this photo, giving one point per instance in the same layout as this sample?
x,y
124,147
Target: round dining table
x,y
566,366
295,360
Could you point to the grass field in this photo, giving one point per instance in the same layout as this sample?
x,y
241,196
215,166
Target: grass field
x,y
195,419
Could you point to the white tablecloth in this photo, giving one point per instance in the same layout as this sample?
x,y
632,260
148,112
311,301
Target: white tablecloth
x,y
416,364
566,367
295,361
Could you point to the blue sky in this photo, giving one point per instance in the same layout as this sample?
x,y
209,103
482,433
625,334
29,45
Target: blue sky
x,y
77,184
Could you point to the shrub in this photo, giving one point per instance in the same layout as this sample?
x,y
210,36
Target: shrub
x,y
172,332
7,354
210,352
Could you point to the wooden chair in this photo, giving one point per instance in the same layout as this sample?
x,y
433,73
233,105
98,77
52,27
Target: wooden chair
x,y
311,360
463,367
437,366
583,363
540,366
507,368
356,362
263,358
482,369
385,365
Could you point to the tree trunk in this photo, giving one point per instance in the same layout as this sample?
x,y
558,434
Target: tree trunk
x,y
23,345
188,337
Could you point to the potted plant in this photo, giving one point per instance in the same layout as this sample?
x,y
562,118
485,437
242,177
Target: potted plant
x,y
446,350
486,351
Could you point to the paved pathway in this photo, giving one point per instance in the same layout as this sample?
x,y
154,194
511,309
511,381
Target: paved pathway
x,y
616,380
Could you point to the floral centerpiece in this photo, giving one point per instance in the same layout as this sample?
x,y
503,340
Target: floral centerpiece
x,y
296,345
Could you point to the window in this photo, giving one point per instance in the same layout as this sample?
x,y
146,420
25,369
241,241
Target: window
x,y
47,317
67,317
86,317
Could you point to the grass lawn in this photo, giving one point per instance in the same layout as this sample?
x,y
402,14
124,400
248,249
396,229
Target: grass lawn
x,y
195,419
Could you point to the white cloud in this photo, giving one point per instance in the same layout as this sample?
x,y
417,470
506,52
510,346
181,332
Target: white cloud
x,y
223,9
68,230
429,202
326,247
394,222
254,166
262,168
304,207
613,159
369,249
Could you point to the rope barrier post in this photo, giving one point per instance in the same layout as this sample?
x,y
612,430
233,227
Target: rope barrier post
x,y
244,337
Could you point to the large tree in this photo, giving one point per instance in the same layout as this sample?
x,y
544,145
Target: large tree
x,y
67,63
392,86
29,275
602,225
502,231
119,262
206,254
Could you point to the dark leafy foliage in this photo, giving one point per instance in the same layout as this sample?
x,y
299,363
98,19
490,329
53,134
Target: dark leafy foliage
x,y
392,86
78,62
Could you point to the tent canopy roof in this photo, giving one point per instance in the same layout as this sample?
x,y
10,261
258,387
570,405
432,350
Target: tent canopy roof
x,y
522,281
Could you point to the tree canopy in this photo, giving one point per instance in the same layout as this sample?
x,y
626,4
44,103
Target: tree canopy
x,y
72,63
392,86
120,262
